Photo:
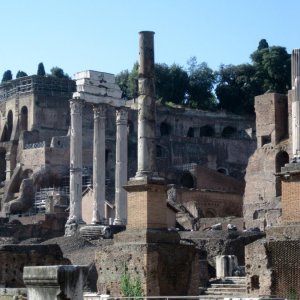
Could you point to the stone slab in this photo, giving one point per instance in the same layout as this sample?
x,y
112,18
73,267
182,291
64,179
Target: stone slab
x,y
99,83
54,282
95,75
116,102
102,91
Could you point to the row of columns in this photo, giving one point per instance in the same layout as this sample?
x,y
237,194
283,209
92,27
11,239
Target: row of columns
x,y
98,217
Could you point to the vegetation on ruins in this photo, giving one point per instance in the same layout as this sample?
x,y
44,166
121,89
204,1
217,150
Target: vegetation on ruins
x,y
231,87
130,287
7,75
58,73
21,74
41,70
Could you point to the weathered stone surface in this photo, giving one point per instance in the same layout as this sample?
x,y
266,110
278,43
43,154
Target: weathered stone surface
x,y
121,167
99,164
55,282
272,268
164,269
13,258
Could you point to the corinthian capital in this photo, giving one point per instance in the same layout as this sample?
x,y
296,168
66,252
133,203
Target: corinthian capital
x,y
121,115
76,106
99,111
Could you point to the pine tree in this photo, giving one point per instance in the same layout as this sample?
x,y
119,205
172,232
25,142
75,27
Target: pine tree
x,y
41,70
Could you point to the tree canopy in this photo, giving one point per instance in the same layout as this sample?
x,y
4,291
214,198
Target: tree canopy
x,y
58,73
21,74
7,75
41,70
231,87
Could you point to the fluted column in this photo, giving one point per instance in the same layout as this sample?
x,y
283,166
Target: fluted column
x,y
99,164
76,161
146,106
296,101
121,167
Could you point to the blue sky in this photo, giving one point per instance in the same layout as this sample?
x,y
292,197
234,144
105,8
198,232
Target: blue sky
x,y
103,34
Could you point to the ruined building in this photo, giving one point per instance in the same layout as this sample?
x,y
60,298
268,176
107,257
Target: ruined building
x,y
35,143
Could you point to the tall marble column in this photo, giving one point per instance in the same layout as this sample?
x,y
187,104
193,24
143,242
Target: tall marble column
x,y
296,101
146,106
99,164
75,216
121,167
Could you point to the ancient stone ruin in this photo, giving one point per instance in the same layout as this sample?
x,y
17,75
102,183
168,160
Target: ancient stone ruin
x,y
208,199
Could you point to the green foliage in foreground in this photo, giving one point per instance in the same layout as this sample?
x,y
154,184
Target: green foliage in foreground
x,y
131,287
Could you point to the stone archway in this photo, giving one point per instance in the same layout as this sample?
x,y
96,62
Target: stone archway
x,y
207,131
6,135
24,118
281,159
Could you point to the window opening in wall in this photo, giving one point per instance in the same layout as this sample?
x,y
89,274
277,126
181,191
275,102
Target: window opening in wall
x,y
254,282
2,165
281,159
207,130
7,127
190,132
187,180
265,139
223,171
229,132
24,118
165,129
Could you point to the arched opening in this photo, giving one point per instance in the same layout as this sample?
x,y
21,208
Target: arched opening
x,y
191,132
281,159
210,213
8,127
187,180
207,130
165,129
223,171
2,165
229,132
24,118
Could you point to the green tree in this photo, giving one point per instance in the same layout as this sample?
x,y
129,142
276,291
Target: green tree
x,y
171,83
41,70
133,81
201,85
122,81
59,73
21,74
7,75
273,67
237,87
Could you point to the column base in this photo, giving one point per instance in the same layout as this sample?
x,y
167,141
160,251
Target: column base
x,y
146,201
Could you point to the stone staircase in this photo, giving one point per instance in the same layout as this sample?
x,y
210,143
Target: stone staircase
x,y
228,287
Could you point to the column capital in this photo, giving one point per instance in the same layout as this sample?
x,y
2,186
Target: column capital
x,y
76,105
99,111
121,115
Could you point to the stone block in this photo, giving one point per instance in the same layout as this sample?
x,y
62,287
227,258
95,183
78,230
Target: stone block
x,y
97,99
55,282
225,265
95,75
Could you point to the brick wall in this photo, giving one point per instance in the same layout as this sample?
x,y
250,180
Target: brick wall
x,y
291,199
